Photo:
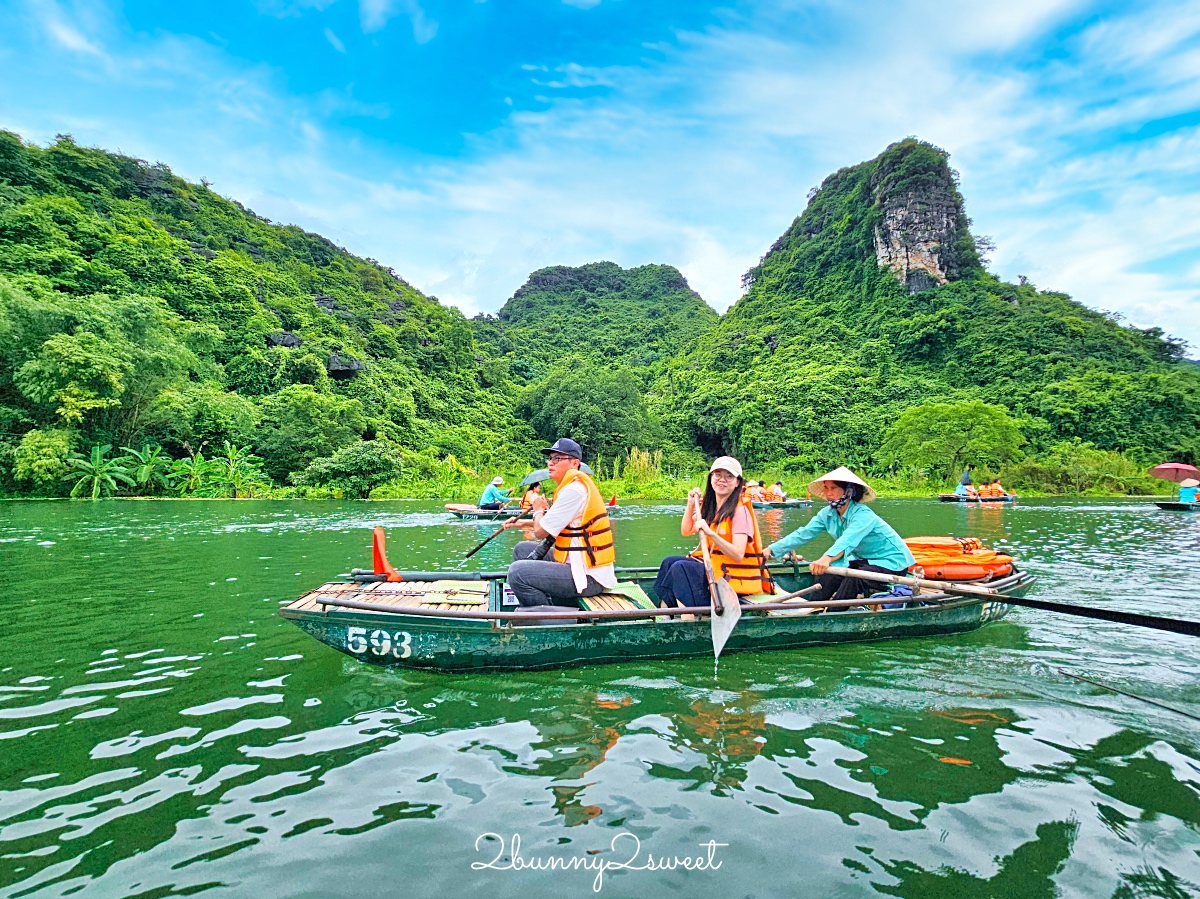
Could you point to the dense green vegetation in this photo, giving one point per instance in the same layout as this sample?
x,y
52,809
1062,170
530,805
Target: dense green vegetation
x,y
156,338
139,309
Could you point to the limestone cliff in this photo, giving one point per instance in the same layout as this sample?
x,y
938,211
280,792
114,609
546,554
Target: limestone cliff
x,y
901,212
917,228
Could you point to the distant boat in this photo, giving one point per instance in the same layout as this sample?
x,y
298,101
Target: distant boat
x,y
1179,507
786,504
468,512
960,498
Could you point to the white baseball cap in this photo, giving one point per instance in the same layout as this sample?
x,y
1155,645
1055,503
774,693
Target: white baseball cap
x,y
727,463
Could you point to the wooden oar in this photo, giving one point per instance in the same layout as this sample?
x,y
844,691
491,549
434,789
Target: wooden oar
x,y
1174,625
726,607
500,530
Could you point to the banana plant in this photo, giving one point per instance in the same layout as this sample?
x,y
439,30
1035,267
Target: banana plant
x,y
237,472
151,467
98,475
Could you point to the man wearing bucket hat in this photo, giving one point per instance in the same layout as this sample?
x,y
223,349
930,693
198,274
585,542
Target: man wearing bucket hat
x,y
1187,490
494,497
584,559
862,539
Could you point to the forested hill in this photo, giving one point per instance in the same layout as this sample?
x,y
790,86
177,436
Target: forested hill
x,y
875,301
600,312
139,309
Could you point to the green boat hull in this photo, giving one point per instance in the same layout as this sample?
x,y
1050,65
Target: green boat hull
x,y
457,644
1179,507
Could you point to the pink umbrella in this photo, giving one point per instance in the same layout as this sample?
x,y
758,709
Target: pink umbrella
x,y
1175,471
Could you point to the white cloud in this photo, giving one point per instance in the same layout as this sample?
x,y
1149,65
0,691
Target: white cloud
x,y
375,14
334,41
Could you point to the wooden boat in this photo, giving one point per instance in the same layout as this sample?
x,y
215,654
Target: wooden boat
x,y
468,512
467,622
786,504
1179,507
959,498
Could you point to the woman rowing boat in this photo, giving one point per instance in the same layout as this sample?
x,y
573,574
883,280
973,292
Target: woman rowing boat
x,y
862,539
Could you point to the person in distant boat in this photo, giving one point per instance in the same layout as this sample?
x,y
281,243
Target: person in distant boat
x,y
757,494
527,497
494,497
966,486
1187,490
774,493
862,540
994,489
724,514
584,556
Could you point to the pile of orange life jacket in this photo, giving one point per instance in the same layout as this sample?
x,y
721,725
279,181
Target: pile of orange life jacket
x,y
958,558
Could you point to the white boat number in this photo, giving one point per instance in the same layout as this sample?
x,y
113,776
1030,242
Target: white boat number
x,y
380,642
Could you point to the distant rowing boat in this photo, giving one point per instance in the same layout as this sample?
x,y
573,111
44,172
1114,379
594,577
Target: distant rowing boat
x,y
468,512
1179,507
786,504
959,498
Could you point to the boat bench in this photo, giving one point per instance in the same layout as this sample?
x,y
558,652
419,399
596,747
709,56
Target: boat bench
x,y
624,597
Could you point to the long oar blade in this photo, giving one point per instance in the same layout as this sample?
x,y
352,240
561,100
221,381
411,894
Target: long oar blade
x,y
725,620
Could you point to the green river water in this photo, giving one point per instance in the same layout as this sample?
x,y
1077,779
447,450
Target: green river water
x,y
163,731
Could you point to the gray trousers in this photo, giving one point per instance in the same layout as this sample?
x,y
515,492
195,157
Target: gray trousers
x,y
538,583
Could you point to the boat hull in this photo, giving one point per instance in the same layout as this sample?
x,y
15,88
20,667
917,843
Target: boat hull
x,y
460,644
1179,507
790,504
473,513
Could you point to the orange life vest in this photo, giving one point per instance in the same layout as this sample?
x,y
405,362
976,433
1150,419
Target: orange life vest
x,y
594,531
527,500
772,495
757,495
748,577
958,558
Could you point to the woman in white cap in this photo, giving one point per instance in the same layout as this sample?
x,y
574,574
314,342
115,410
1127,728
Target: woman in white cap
x,y
724,515
861,538
494,497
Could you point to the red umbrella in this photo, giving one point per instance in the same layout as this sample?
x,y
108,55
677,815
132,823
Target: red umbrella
x,y
1175,471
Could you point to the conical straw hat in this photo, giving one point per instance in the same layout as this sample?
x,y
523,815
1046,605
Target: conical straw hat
x,y
1190,482
843,475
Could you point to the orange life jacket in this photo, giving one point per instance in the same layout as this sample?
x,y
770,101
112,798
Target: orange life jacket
x,y
757,495
527,500
594,531
957,558
748,577
772,495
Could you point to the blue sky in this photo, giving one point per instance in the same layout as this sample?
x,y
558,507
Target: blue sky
x,y
467,143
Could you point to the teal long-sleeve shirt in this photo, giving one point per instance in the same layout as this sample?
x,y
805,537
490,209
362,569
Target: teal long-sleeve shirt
x,y
860,534
494,494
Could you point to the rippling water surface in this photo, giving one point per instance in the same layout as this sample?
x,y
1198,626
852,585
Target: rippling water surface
x,y
163,732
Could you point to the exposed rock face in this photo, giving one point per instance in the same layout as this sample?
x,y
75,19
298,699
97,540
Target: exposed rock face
x,y
287,339
340,369
918,228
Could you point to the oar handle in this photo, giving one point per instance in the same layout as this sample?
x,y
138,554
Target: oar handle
x,y
710,576
943,586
